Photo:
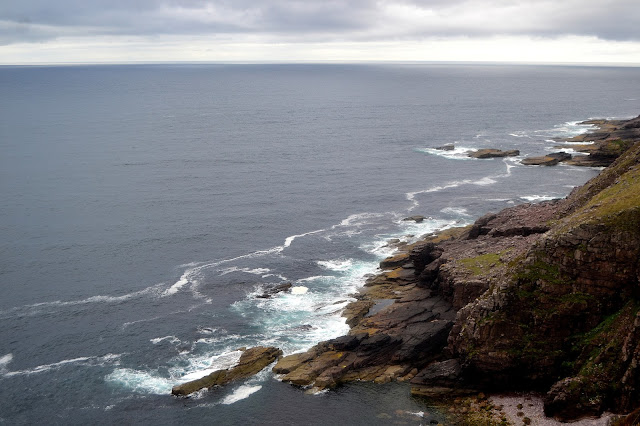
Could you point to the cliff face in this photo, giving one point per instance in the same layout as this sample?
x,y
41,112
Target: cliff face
x,y
566,310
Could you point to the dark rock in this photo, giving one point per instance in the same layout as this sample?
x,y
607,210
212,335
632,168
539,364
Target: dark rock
x,y
416,218
346,343
448,147
446,374
480,226
547,160
565,401
275,290
493,153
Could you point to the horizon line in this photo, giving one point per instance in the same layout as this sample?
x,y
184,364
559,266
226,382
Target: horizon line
x,y
324,62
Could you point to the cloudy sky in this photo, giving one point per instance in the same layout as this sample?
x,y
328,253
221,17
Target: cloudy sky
x,y
52,31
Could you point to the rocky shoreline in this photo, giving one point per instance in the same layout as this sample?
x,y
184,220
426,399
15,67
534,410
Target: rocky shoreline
x,y
538,297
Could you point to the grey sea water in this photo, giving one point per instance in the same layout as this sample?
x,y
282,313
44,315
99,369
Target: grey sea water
x,y
145,206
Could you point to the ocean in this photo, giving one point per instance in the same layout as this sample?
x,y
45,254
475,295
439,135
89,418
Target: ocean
x,y
144,207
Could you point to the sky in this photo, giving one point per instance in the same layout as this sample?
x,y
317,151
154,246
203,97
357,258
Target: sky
x,y
122,31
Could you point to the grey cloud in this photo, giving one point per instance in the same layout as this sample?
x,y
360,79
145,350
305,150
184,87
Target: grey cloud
x,y
34,20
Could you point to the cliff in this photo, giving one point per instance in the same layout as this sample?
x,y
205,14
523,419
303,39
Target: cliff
x,y
565,314
539,296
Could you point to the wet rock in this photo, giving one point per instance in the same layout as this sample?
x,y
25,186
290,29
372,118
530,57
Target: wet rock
x,y
547,160
416,219
275,290
252,361
493,153
448,147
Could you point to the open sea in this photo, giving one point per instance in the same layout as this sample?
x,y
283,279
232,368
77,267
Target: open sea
x,y
144,207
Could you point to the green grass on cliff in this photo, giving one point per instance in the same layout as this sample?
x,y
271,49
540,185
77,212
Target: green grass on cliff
x,y
615,190
482,264
617,205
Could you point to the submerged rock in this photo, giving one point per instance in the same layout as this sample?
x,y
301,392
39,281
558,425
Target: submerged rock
x,y
252,361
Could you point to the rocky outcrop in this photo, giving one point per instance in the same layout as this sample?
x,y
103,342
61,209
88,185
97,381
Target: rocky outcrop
x,y
252,361
602,146
493,153
547,160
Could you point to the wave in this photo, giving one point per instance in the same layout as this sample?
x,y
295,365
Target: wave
x,y
289,240
358,219
411,196
336,265
242,392
537,198
187,368
254,271
458,153
38,308
484,181
567,129
171,339
88,361
458,211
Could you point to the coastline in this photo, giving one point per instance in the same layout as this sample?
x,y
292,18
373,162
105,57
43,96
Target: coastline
x,y
488,308
420,319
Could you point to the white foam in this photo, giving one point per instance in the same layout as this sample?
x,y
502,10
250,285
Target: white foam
x,y
358,219
315,278
299,290
289,240
177,286
4,362
458,153
140,381
460,211
171,339
254,271
411,196
336,265
484,181
203,365
519,134
578,143
535,198
37,308
241,393
86,361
